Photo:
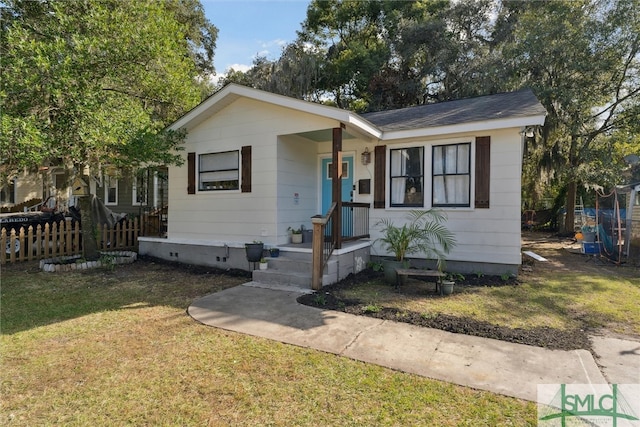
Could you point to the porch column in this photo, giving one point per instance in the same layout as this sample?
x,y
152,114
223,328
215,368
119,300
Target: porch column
x,y
336,183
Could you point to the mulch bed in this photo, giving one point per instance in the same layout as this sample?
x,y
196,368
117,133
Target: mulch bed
x,y
551,338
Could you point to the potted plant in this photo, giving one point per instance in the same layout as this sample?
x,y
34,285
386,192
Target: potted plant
x,y
263,264
424,232
254,250
296,234
274,252
448,282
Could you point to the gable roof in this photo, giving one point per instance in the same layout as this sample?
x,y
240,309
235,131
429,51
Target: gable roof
x,y
522,103
232,92
514,109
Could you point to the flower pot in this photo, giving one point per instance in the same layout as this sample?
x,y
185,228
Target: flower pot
x,y
274,252
389,267
296,238
254,251
446,287
264,265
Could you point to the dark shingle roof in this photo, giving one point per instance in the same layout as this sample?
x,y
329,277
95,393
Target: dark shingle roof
x,y
492,107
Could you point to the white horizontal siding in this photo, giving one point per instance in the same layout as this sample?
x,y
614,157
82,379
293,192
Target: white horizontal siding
x,y
483,235
233,216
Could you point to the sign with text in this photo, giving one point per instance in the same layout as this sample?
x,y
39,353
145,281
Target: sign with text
x,y
616,405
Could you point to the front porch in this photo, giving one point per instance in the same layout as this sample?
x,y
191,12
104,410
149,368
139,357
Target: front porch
x,y
294,267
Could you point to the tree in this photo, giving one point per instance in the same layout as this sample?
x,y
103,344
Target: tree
x,y
582,60
88,84
377,55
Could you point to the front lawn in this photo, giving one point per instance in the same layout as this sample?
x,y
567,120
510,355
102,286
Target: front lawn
x,y
554,304
117,348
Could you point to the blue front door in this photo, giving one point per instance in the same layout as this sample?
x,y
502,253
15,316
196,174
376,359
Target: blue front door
x,y
347,187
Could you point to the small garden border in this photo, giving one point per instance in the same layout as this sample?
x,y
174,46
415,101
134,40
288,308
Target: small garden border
x,y
77,262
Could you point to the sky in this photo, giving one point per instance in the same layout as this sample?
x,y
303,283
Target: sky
x,y
247,28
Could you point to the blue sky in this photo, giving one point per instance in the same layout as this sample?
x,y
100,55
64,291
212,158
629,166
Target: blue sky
x,y
247,28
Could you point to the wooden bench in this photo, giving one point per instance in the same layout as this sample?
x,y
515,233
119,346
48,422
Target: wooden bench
x,y
406,272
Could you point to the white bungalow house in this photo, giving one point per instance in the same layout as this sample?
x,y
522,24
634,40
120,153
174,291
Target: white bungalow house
x,y
257,164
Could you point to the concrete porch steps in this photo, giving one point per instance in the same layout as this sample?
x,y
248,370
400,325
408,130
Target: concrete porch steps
x,y
291,271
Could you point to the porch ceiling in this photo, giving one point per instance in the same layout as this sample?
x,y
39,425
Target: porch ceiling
x,y
323,135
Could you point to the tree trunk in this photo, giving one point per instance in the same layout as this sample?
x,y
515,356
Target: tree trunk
x,y
89,231
570,208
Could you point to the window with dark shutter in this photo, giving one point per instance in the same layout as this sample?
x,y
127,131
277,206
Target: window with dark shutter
x,y
379,189
191,173
219,171
246,169
451,175
483,171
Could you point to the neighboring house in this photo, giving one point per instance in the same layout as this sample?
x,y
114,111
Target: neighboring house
x,y
145,191
133,193
257,163
27,190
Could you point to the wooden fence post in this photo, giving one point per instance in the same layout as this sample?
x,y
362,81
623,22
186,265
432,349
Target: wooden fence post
x,y
76,239
136,234
38,241
12,242
61,242
54,240
69,239
22,244
30,243
45,240
3,244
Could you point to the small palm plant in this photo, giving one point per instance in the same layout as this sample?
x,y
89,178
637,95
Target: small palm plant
x,y
424,233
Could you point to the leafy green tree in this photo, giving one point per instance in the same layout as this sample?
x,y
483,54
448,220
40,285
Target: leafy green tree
x,y
582,60
88,84
375,55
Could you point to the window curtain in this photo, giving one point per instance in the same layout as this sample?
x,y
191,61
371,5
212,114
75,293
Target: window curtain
x,y
399,181
451,170
439,168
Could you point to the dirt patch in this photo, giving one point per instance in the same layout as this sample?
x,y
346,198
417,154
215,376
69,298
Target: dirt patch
x,y
551,338
561,253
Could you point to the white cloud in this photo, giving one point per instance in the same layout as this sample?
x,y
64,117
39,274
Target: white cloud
x,y
274,42
239,67
236,67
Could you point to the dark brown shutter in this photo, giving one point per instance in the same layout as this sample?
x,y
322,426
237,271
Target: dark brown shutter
x,y
246,169
483,171
191,173
379,176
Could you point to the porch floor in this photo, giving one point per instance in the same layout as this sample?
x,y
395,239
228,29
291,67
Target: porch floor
x,y
347,247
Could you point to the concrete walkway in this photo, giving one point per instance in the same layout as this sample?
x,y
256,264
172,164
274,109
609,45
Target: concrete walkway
x,y
487,364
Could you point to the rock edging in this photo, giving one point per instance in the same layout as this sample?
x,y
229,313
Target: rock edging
x,y
72,263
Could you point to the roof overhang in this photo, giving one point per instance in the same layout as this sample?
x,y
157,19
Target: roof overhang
x,y
354,124
629,187
471,127
232,92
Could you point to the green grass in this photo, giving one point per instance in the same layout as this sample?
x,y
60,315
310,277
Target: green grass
x,y
117,348
563,300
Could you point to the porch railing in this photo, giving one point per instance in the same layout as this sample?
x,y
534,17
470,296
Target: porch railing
x,y
324,242
355,221
354,225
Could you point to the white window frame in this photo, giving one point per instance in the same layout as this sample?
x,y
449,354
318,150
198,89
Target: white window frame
x,y
459,172
134,190
108,181
212,172
399,183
